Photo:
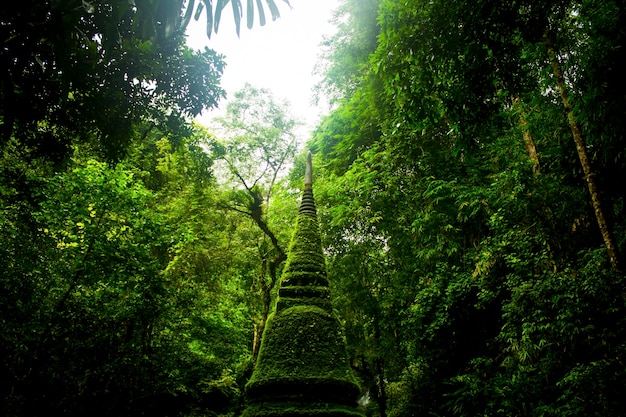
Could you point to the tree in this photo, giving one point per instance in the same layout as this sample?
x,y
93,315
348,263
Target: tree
x,y
126,283
92,295
259,140
581,149
476,246
345,54
91,72
123,285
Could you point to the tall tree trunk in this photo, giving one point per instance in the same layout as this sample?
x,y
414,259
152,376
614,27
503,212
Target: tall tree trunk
x,y
529,143
609,242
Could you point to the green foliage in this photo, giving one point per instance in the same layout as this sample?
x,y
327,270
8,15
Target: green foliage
x,y
94,290
468,283
469,277
257,128
93,72
117,298
345,53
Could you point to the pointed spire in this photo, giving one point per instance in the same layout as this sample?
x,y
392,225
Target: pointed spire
x,y
308,202
308,173
303,368
305,262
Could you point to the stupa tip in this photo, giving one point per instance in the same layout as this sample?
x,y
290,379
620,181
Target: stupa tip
x,y
308,174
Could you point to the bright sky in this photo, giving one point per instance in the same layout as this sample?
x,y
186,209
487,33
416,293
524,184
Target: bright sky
x,y
279,56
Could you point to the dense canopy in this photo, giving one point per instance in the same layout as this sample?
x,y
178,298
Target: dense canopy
x,y
469,193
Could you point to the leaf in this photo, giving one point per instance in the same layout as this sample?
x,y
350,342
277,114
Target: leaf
x,y
250,13
209,16
261,12
196,16
218,13
273,9
237,15
188,13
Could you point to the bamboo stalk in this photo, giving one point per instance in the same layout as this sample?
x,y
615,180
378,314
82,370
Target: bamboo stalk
x,y
582,155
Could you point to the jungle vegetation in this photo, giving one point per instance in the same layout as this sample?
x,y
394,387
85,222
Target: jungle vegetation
x,y
469,182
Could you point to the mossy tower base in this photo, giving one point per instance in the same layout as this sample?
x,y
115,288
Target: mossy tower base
x,y
302,368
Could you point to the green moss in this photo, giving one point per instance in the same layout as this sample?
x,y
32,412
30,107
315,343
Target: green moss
x,y
305,263
305,291
300,409
287,302
301,342
318,296
303,278
302,368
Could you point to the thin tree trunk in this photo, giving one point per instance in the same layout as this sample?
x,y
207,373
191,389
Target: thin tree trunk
x,y
266,299
582,155
258,334
255,211
529,143
379,369
380,385
260,324
271,269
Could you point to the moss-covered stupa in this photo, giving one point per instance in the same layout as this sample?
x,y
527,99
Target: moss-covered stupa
x,y
302,368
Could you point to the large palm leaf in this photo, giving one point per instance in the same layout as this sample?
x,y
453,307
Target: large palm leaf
x,y
214,10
